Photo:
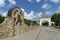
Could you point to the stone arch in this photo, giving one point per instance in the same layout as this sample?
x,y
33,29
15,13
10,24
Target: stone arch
x,y
17,17
16,14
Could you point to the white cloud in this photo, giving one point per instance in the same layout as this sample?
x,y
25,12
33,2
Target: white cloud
x,y
13,2
30,1
39,14
31,15
55,1
49,13
4,13
37,1
58,10
9,6
2,3
22,9
46,6
59,7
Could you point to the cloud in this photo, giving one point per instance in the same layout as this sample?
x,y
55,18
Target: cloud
x,y
22,9
59,7
13,2
4,13
2,3
49,13
30,1
38,1
58,10
55,1
9,6
31,15
39,14
33,1
46,6
28,16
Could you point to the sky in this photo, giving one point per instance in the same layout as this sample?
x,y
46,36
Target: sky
x,y
33,9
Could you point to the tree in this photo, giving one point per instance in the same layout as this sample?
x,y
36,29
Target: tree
x,y
56,19
30,22
34,23
1,19
27,22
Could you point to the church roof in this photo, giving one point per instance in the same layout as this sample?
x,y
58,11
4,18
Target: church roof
x,y
45,16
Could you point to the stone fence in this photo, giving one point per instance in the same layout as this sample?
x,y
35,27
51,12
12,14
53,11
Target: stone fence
x,y
5,32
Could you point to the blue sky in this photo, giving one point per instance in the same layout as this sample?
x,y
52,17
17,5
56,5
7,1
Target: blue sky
x,y
33,9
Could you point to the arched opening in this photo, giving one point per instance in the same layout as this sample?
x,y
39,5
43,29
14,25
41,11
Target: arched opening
x,y
45,23
16,15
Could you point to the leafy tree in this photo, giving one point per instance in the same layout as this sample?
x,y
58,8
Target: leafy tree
x,y
1,19
27,22
30,22
34,23
56,19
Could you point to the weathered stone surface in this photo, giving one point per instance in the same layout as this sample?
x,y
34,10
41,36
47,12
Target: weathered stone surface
x,y
14,24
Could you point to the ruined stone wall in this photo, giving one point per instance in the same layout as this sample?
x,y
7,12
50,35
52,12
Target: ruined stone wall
x,y
14,24
10,26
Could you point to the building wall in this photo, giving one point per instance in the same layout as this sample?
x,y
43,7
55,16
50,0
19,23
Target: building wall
x,y
45,19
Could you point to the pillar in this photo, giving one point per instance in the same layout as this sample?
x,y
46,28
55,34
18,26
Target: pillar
x,y
40,23
49,23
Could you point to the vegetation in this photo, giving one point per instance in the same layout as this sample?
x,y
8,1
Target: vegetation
x,y
34,23
56,19
1,19
29,22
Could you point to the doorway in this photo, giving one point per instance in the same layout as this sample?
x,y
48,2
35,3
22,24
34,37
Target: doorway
x,y
46,23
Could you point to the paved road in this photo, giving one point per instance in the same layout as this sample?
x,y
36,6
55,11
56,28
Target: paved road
x,y
47,33
42,33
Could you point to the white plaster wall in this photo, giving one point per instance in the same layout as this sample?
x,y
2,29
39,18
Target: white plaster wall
x,y
45,19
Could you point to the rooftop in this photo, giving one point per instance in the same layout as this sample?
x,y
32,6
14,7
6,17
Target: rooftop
x,y
45,16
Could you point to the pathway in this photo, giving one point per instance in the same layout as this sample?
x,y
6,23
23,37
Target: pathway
x,y
42,33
